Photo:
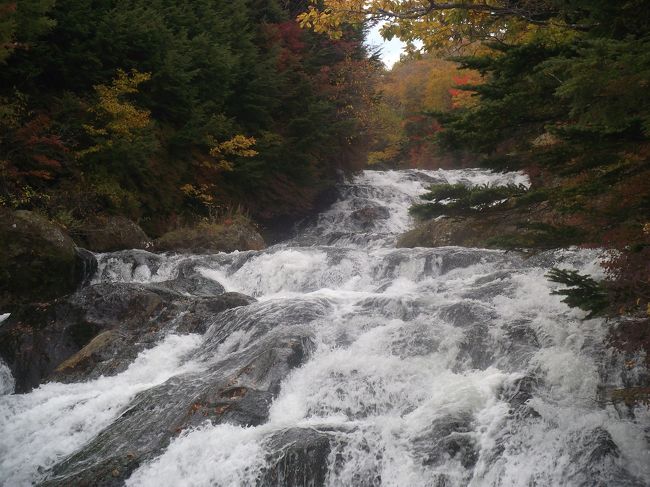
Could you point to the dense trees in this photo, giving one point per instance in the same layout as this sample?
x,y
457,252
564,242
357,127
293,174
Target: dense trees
x,y
125,107
412,91
564,95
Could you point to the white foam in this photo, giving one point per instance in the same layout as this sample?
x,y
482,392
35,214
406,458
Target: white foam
x,y
207,456
43,426
7,382
405,341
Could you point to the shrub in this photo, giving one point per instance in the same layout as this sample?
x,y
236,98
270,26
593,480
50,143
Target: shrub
x,y
458,199
582,292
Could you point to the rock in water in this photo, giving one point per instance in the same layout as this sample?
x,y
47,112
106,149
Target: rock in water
x,y
100,330
207,238
299,458
109,234
38,262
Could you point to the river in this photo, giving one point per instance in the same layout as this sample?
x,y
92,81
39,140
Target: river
x,y
359,364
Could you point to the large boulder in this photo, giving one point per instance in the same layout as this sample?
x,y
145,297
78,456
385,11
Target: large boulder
x,y
299,457
100,330
112,233
466,232
237,392
367,216
535,226
38,262
206,238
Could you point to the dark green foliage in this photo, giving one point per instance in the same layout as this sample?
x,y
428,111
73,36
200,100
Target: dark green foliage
x,y
438,192
582,292
605,84
458,199
587,88
573,108
517,97
218,69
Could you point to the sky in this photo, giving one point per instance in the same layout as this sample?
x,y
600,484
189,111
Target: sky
x,y
390,50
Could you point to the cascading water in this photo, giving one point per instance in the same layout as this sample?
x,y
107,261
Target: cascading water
x,y
359,365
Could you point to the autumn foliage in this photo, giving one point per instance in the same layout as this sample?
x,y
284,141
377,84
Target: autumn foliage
x,y
168,112
414,92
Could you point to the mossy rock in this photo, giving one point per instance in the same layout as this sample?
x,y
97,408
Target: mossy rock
x,y
466,232
112,233
205,238
38,262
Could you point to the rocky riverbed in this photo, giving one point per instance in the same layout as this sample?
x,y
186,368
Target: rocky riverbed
x,y
331,359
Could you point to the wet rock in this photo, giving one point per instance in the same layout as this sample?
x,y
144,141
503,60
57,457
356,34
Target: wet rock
x,y
510,226
128,265
38,261
99,330
192,282
205,238
238,391
594,461
487,287
518,393
449,437
35,340
466,232
86,266
298,459
466,314
197,319
476,349
111,233
521,343
93,353
366,216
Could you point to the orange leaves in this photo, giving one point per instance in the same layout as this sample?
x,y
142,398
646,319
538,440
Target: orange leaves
x,y
463,98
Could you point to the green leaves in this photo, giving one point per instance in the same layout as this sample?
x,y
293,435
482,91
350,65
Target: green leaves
x,y
606,85
458,199
582,292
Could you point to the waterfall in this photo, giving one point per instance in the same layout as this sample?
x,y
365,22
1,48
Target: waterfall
x,y
358,364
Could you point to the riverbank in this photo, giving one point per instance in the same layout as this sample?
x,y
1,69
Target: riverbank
x,y
603,208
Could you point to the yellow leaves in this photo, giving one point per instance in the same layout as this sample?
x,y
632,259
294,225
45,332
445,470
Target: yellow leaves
x,y
116,117
389,154
330,19
433,25
322,22
202,193
123,117
239,145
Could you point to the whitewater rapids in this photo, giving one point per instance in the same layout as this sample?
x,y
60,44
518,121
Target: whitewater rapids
x,y
422,367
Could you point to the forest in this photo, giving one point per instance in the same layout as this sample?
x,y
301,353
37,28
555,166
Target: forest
x,y
238,250
172,113
169,112
556,88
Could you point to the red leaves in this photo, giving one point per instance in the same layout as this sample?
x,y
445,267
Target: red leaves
x,y
38,152
462,98
289,37
46,161
40,174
